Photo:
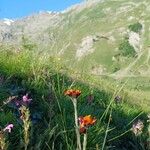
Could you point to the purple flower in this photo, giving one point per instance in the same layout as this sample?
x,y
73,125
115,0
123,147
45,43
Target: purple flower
x,y
118,99
90,98
8,128
17,103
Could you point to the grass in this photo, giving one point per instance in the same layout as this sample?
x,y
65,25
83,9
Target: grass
x,y
45,75
45,78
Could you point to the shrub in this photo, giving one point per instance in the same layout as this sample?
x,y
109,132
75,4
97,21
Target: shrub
x,y
126,49
136,27
116,68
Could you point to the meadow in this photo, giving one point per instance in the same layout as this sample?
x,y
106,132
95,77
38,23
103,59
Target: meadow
x,y
37,114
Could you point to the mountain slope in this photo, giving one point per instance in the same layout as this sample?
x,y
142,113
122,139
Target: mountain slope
x,y
88,36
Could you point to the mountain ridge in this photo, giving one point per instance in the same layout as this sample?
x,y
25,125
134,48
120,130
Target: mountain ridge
x,y
89,36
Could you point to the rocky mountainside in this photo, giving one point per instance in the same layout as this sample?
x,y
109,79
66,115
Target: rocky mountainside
x,y
102,37
33,27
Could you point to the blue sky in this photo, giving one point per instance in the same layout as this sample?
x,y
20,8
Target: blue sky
x,y
19,8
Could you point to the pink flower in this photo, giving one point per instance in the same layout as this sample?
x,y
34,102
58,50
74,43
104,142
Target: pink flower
x,y
17,103
26,99
8,128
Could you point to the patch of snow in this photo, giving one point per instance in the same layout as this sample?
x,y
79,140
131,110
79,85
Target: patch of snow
x,y
58,13
8,21
49,12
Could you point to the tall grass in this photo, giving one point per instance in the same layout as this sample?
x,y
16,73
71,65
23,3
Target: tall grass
x,y
46,78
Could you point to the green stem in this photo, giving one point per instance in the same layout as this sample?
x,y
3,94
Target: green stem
x,y
107,129
85,141
62,118
74,100
26,147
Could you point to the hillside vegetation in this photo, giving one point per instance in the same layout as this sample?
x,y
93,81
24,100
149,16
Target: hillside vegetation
x,y
98,48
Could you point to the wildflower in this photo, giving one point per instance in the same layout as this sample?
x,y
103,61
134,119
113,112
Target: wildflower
x,y
22,112
26,99
17,103
90,99
25,116
118,99
8,128
88,120
73,93
137,127
3,145
85,122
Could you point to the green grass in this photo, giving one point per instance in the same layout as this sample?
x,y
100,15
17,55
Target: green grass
x,y
46,75
76,25
46,79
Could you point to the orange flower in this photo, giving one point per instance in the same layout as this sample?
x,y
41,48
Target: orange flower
x,y
72,93
85,122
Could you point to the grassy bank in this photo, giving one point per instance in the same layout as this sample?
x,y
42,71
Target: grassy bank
x,y
45,79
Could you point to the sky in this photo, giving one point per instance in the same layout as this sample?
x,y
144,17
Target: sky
x,y
13,9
